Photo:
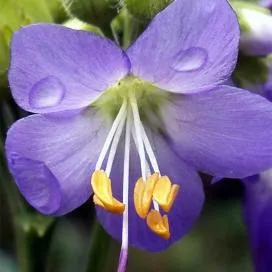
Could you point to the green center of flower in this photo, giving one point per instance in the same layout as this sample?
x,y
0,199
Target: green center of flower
x,y
149,98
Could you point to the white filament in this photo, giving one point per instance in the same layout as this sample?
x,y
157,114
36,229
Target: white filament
x,y
149,151
114,145
137,124
121,114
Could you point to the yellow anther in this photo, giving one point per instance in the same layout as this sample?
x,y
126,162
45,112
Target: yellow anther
x,y
143,194
165,193
101,185
158,224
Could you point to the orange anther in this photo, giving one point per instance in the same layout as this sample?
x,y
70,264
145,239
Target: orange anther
x,y
143,194
165,193
101,185
158,224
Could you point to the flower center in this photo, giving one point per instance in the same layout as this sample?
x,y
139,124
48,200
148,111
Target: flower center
x,y
154,195
149,98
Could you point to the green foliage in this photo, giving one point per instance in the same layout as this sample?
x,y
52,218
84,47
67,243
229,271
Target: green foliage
x,y
13,15
251,70
146,9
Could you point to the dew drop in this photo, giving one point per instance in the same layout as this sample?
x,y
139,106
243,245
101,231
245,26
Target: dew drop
x,y
48,92
191,59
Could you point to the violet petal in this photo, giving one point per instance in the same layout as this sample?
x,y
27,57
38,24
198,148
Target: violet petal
x,y
224,132
258,217
54,68
57,151
190,44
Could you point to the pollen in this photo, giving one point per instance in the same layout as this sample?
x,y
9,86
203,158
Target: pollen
x,y
143,192
158,224
103,197
165,193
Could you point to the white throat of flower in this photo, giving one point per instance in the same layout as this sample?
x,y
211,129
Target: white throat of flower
x,y
149,190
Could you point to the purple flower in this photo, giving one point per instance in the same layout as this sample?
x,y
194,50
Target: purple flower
x,y
258,202
139,124
258,216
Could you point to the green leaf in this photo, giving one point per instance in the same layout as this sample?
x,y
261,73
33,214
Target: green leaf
x,y
15,14
146,9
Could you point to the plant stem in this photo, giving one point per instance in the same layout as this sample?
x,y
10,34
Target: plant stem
x,y
32,249
132,28
107,31
98,249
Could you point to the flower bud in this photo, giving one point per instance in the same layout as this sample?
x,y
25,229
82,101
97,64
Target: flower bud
x,y
96,12
256,29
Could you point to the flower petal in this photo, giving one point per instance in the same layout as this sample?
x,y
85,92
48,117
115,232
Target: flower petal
x,y
225,132
54,68
184,212
258,217
52,158
190,44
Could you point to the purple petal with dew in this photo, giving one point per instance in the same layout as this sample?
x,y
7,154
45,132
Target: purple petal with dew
x,y
225,132
54,68
51,158
184,213
258,217
178,54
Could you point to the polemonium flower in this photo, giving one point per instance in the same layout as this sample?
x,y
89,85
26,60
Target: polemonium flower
x,y
258,217
258,201
133,128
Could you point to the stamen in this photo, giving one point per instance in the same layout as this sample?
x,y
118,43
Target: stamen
x,y
148,173
143,192
121,115
137,124
158,224
101,185
114,146
124,247
165,193
149,151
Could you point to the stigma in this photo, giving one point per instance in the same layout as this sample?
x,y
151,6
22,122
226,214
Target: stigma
x,y
154,194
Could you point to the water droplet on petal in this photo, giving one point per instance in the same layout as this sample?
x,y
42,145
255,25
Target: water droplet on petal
x,y
46,93
191,59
